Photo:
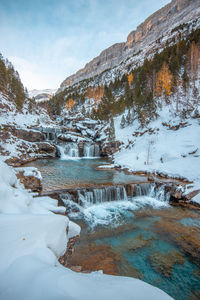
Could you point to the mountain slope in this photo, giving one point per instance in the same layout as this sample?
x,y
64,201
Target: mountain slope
x,y
150,98
141,43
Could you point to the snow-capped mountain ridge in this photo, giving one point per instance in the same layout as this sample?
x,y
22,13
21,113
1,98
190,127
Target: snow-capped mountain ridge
x,y
34,93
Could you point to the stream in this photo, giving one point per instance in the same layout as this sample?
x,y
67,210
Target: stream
x,y
139,236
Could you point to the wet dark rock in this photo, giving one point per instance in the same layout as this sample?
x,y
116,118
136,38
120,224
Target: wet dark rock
x,y
67,138
110,148
47,148
81,148
176,194
69,251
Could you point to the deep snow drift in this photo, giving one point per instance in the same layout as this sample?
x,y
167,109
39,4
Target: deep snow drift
x,y
32,239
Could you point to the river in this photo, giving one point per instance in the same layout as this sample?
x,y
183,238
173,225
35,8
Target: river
x,y
141,236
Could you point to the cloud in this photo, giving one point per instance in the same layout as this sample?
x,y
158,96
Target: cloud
x,y
29,74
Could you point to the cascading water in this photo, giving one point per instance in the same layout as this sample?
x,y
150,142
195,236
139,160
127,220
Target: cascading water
x,y
111,204
153,191
68,151
91,150
51,134
71,150
159,193
97,196
92,196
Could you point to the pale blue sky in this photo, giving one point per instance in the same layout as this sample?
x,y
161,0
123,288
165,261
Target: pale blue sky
x,y
48,40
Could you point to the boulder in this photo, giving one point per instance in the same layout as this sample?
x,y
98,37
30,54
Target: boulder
x,y
30,182
110,148
28,135
47,148
18,161
69,138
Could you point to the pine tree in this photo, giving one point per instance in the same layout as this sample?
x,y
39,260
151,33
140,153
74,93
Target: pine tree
x,y
111,130
123,122
132,116
128,98
195,92
10,83
185,79
83,111
128,117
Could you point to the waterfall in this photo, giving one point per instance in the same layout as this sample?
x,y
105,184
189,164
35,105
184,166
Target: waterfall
x,y
88,197
142,189
152,190
138,195
111,205
51,133
71,150
91,150
68,150
96,196
159,192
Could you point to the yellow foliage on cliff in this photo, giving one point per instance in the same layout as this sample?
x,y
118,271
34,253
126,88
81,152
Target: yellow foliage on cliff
x,y
70,103
130,78
164,81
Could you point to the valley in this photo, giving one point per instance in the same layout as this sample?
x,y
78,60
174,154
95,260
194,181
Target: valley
x,y
100,179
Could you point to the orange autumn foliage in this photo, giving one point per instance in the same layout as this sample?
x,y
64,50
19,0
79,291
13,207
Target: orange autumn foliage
x,y
95,92
130,78
164,81
70,103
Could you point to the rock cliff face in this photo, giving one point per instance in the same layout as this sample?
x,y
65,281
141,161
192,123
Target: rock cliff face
x,y
156,27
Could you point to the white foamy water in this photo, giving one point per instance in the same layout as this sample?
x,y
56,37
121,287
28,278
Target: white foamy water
x,y
113,213
68,152
71,151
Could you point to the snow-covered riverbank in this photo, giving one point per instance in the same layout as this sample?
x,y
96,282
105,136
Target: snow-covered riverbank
x,y
167,145
33,238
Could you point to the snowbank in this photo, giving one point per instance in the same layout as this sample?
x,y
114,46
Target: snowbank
x,y
160,148
30,171
33,237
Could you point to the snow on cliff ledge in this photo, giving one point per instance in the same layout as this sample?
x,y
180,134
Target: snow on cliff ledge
x,y
33,237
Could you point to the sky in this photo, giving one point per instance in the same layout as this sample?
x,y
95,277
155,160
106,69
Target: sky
x,y
48,40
